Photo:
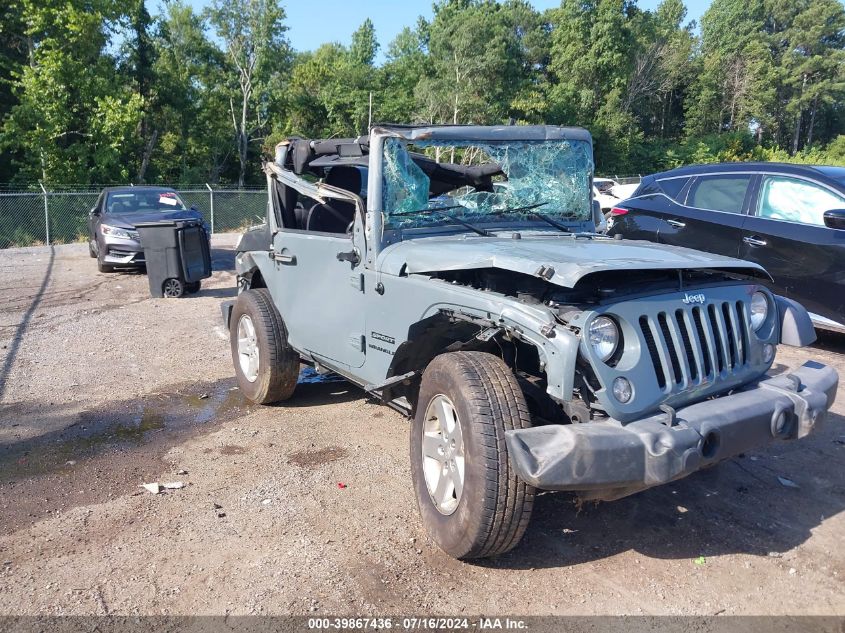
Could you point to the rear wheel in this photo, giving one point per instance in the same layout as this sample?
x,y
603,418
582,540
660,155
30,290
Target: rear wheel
x,y
470,499
193,287
266,367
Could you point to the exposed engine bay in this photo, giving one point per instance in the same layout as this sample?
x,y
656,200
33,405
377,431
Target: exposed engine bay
x,y
592,290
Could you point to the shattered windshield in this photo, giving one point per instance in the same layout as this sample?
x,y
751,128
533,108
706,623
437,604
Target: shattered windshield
x,y
485,181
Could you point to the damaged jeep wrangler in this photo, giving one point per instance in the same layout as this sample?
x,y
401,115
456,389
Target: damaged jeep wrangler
x,y
453,272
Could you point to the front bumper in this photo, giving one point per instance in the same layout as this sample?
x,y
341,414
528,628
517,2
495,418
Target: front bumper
x,y
120,251
609,460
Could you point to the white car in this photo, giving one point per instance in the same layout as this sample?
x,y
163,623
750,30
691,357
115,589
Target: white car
x,y
602,191
623,192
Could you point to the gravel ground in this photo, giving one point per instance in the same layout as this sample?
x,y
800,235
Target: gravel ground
x,y
307,508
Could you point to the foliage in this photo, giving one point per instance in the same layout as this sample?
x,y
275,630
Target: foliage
x,y
100,90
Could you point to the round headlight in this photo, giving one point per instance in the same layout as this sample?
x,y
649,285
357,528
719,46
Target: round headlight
x,y
604,337
759,309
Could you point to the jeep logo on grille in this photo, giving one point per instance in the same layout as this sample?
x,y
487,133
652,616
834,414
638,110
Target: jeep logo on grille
x,y
688,298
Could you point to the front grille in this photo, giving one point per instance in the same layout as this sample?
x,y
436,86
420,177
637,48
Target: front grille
x,y
696,344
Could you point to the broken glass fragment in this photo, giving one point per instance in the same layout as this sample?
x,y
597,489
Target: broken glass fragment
x,y
553,174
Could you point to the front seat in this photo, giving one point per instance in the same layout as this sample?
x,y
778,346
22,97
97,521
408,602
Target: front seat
x,y
335,215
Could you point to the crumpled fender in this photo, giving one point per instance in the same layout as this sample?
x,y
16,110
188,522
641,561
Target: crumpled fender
x,y
796,326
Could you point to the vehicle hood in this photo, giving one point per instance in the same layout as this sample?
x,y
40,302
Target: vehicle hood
x,y
571,257
129,220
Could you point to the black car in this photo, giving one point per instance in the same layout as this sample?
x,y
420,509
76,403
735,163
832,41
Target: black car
x,y
112,237
790,219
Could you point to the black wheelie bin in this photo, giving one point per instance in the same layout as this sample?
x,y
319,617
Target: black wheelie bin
x,y
178,256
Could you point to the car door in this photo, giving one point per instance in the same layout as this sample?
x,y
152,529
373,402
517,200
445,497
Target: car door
x,y
319,295
786,235
711,215
642,216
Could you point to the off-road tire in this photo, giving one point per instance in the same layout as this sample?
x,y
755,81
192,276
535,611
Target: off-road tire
x,y
278,363
495,506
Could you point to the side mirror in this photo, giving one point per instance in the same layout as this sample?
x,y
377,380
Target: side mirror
x,y
94,211
835,218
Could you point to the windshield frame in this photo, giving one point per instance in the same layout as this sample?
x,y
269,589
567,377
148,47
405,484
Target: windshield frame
x,y
379,238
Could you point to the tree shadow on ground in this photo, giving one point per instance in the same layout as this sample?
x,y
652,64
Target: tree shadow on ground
x,y
20,330
314,389
830,341
220,293
222,258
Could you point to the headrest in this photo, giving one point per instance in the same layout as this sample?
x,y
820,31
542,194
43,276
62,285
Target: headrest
x,y
345,177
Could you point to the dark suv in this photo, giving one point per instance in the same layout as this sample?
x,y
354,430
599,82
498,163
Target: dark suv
x,y
790,219
112,237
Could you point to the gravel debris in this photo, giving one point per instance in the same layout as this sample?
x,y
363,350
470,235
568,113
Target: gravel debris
x,y
136,414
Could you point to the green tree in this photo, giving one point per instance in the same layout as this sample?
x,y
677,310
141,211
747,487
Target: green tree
x,y
258,52
813,59
364,44
71,108
194,118
660,76
329,90
734,70
407,64
140,62
593,46
13,56
478,60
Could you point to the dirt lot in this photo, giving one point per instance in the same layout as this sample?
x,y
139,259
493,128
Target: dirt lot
x,y
103,388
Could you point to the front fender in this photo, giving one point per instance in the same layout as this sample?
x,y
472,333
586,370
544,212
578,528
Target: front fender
x,y
557,347
245,263
796,327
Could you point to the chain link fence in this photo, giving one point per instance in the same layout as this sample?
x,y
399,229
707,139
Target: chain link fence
x,y
47,215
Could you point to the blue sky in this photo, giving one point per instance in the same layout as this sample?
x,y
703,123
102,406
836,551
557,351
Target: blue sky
x,y
313,23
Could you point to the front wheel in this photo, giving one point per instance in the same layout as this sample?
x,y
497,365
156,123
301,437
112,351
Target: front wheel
x,y
470,499
266,367
103,267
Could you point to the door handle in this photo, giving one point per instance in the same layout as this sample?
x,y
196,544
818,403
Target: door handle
x,y
753,240
284,258
352,257
676,224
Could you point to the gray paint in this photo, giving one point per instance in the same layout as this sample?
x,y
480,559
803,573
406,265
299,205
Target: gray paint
x,y
352,318
796,326
486,133
571,256
636,363
608,460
